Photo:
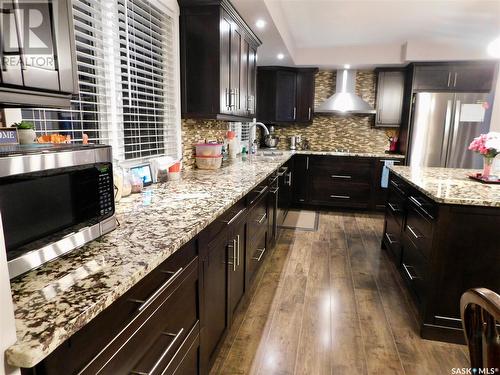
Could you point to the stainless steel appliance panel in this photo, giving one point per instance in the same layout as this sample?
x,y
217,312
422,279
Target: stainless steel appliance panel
x,y
431,124
468,122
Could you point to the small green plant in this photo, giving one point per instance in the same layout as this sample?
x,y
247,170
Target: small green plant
x,y
24,125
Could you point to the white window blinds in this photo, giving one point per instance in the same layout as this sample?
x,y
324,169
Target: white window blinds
x,y
148,87
126,53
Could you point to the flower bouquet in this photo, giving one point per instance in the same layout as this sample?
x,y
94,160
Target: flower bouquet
x,y
488,145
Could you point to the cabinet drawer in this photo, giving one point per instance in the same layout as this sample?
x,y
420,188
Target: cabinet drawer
x,y
419,230
150,340
340,194
396,206
258,218
341,169
187,358
392,236
414,269
397,187
256,253
236,212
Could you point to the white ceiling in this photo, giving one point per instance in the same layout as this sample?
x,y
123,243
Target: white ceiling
x,y
363,33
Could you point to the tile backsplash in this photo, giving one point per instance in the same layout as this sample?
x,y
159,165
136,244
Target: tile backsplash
x,y
325,133
329,132
194,130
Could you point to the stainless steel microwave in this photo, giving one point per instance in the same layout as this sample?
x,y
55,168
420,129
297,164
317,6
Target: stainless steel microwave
x,y
53,199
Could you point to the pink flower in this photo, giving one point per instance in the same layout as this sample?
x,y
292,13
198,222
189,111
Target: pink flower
x,y
486,144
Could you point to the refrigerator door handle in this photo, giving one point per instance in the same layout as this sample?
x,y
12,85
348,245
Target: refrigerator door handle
x,y
453,136
447,126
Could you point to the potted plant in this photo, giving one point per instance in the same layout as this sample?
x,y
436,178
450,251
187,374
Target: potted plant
x,y
487,145
26,132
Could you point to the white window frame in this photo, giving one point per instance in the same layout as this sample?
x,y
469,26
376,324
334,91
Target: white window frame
x,y
111,124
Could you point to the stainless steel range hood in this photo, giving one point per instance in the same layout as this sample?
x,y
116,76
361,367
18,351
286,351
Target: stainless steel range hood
x,y
345,99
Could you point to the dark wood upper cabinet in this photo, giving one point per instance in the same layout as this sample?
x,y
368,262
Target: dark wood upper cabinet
x,y
34,76
286,90
390,96
218,62
472,77
305,98
285,95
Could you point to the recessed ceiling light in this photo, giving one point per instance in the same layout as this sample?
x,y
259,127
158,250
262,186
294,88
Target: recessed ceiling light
x,y
494,48
260,24
347,66
280,56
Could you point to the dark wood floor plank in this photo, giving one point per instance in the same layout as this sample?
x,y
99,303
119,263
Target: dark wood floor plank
x,y
313,354
380,349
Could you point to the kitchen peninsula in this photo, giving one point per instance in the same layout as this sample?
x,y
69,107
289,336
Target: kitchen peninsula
x,y
441,229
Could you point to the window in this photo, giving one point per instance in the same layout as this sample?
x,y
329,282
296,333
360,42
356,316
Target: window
x,y
128,79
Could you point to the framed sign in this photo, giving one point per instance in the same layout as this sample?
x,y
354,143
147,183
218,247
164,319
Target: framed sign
x,y
8,136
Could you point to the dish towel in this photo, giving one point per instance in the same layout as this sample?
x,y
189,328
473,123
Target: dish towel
x,y
384,181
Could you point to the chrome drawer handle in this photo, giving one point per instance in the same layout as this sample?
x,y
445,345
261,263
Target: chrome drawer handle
x,y
413,232
389,239
161,289
262,191
341,176
407,270
164,354
261,219
238,252
282,171
393,208
262,251
398,188
421,206
340,196
233,263
229,222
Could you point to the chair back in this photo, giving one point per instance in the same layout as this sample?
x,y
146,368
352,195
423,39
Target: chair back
x,y
480,310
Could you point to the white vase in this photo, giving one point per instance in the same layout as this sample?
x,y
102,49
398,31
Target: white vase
x,y
26,136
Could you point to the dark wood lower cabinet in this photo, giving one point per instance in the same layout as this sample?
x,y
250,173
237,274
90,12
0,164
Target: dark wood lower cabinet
x,y
143,331
340,181
441,251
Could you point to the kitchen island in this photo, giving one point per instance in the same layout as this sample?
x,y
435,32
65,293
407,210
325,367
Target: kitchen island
x,y
441,229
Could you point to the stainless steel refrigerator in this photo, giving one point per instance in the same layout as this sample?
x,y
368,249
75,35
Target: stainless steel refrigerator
x,y
443,126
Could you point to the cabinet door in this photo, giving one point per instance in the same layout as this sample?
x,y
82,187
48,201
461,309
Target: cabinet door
x,y
236,267
300,178
235,83
244,66
473,78
225,63
40,69
432,78
215,287
286,107
252,80
305,96
10,61
390,91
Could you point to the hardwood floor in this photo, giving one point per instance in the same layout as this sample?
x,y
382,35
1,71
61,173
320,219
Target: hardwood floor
x,y
331,302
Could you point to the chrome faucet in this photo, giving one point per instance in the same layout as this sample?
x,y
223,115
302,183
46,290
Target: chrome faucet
x,y
252,134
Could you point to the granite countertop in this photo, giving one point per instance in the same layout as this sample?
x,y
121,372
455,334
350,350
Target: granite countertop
x,y
56,300
450,185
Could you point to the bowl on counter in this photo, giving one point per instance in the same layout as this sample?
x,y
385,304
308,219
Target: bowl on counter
x,y
208,149
209,162
271,141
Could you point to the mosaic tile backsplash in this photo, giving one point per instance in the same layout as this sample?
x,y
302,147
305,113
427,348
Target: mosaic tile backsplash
x,y
326,133
329,132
